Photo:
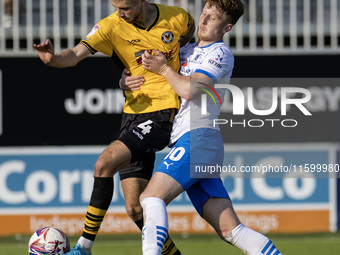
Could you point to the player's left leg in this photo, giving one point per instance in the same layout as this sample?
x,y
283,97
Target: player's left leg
x,y
132,188
219,213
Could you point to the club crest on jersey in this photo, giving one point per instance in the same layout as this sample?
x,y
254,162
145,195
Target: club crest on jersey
x,y
167,37
93,30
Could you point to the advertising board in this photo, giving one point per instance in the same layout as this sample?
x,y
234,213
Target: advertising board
x,y
42,186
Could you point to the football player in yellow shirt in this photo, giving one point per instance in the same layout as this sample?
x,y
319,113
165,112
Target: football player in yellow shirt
x,y
136,26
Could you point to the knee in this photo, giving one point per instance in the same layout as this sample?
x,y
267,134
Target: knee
x,y
134,211
99,168
142,197
102,168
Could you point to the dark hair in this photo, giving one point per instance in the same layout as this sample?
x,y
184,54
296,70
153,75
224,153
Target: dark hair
x,y
233,9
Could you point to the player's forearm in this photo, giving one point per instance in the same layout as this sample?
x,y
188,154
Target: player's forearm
x,y
181,84
66,58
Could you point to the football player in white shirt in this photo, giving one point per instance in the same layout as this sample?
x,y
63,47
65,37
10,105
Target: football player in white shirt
x,y
195,141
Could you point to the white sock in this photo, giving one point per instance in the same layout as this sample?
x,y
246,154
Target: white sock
x,y
251,242
85,243
155,230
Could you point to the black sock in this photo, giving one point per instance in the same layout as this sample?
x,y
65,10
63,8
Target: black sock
x,y
100,201
140,224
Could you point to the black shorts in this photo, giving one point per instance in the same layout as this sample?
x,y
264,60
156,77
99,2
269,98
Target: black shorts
x,y
144,134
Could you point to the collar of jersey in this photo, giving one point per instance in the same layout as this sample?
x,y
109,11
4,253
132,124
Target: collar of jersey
x,y
154,21
206,46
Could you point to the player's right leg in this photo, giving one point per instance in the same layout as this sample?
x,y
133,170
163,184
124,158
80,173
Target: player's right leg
x,y
166,184
109,162
134,179
161,188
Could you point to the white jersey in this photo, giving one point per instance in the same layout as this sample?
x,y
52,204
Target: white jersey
x,y
214,60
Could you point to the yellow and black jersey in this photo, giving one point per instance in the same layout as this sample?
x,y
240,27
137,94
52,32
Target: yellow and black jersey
x,y
126,42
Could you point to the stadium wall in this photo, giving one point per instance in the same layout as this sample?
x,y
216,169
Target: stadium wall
x,y
49,106
55,122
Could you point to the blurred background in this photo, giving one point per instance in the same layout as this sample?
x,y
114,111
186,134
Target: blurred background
x,y
268,26
55,122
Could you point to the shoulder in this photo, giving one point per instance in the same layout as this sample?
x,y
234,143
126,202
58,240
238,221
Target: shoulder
x,y
220,48
188,47
106,25
172,12
220,51
186,51
216,59
109,21
172,9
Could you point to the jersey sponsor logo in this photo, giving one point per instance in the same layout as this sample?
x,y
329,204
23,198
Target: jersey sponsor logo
x,y
139,53
133,41
93,30
138,56
167,37
219,58
185,68
185,64
213,62
185,71
168,55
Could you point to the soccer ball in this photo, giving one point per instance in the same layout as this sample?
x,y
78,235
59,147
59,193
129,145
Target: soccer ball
x,y
48,241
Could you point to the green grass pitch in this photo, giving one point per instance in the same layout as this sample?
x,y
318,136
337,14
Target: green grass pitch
x,y
302,244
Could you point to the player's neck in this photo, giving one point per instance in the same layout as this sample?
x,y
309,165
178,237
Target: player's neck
x,y
148,15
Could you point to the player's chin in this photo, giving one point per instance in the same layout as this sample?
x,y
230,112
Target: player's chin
x,y
201,30
126,19
130,20
201,35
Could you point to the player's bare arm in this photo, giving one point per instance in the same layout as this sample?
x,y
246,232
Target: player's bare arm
x,y
66,58
158,63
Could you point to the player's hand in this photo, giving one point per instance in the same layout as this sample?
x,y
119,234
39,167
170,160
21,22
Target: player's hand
x,y
45,51
130,83
156,63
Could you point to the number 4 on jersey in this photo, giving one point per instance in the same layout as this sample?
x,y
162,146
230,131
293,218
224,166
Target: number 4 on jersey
x,y
145,126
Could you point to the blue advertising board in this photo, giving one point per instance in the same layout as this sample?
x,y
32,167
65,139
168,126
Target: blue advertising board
x,y
54,180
